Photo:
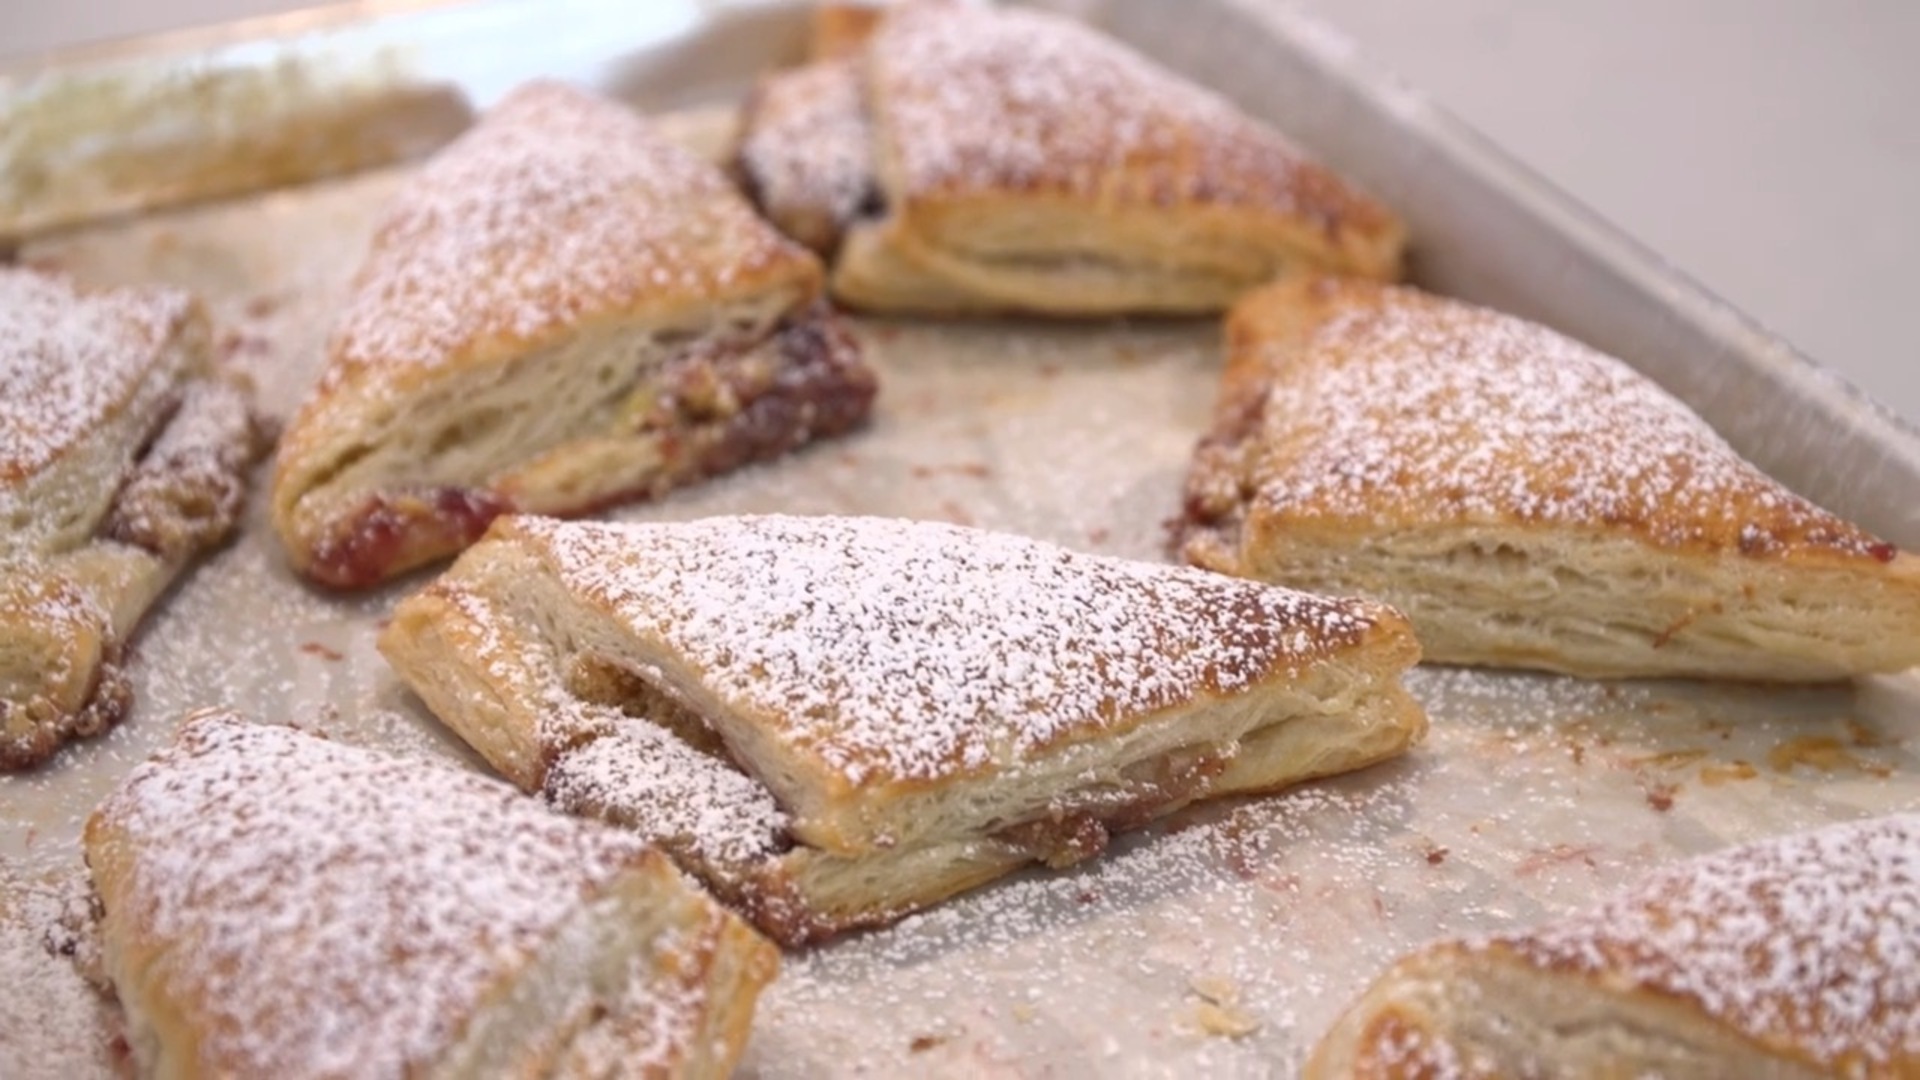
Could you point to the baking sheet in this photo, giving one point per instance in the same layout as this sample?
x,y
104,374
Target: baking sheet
x,y
1221,943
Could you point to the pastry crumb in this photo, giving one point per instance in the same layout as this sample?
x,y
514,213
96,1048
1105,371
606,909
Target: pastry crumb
x,y
1221,1021
1218,1011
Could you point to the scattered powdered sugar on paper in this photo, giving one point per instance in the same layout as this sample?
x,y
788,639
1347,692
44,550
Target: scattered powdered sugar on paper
x,y
556,205
1811,938
328,889
1406,406
891,649
981,100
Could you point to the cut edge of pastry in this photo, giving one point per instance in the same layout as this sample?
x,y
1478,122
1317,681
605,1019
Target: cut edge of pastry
x,y
482,645
1585,603
1482,1013
1583,600
627,411
598,979
973,257
179,448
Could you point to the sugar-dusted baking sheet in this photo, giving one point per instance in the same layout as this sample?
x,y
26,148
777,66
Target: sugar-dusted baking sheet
x,y
1220,944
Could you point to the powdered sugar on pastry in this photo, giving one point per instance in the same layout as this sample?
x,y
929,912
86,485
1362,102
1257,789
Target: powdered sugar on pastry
x,y
569,202
403,891
1814,937
615,765
187,492
648,779
902,650
1413,406
53,1022
68,360
990,99
806,150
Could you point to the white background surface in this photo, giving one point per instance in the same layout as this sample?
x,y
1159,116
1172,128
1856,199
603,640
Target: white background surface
x,y
1769,148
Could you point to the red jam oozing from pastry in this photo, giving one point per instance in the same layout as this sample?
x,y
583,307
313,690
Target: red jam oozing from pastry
x,y
389,531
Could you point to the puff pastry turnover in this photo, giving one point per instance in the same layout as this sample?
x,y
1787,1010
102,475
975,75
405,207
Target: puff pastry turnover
x,y
1792,957
561,311
974,159
1526,500
123,454
276,904
835,721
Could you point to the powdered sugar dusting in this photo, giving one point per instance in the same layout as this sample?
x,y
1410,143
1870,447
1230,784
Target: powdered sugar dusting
x,y
1812,937
187,492
976,100
647,779
620,767
68,360
556,205
327,889
1406,406
806,150
891,649
53,1023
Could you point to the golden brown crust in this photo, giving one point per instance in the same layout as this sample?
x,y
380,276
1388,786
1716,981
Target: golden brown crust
x,y
64,675
1354,415
841,29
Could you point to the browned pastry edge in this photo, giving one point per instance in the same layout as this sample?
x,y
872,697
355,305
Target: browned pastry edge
x,y
182,499
716,414
32,731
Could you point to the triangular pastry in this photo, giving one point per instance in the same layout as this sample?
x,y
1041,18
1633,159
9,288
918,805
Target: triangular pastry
x,y
835,721
124,452
1526,500
1796,957
977,159
275,904
560,311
